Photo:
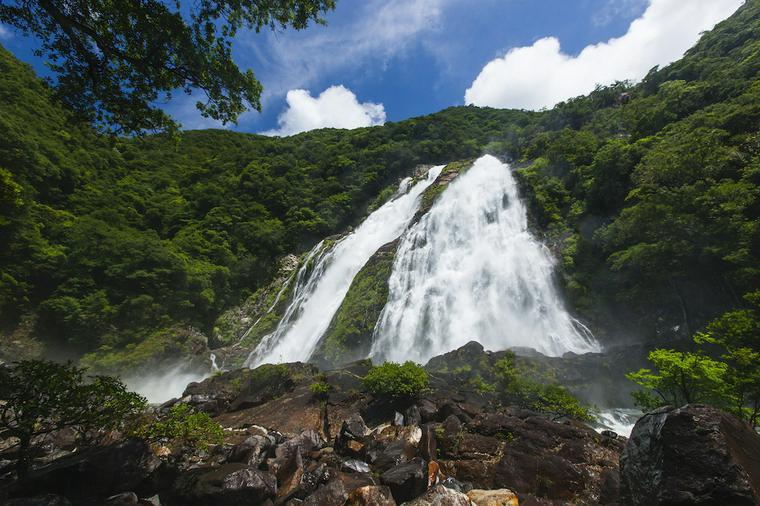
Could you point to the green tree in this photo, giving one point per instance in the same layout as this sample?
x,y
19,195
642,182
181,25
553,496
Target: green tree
x,y
41,397
680,378
737,335
114,59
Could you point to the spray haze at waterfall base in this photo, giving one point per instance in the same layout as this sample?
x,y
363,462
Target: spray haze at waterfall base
x,y
468,270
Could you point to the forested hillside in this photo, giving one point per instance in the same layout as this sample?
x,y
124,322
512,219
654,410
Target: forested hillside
x,y
648,194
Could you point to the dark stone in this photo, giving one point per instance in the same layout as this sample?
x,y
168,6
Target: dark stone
x,y
123,499
457,485
412,416
349,440
228,485
95,473
609,491
40,500
406,481
371,495
692,455
428,444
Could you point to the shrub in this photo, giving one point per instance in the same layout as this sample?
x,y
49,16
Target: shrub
x,y
396,381
183,426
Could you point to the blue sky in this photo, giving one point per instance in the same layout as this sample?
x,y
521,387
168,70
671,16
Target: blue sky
x,y
387,60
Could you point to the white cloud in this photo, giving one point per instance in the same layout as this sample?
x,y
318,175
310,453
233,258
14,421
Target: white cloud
x,y
379,30
542,75
5,32
335,107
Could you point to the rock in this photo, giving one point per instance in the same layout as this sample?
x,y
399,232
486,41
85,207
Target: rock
x,y
349,440
428,444
440,496
412,415
356,466
692,455
337,490
398,419
228,485
40,500
123,499
96,473
253,451
406,481
500,497
455,484
371,495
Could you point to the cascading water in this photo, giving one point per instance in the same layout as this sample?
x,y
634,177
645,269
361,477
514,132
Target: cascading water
x,y
324,279
470,270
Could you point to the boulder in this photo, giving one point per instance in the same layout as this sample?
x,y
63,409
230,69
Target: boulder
x,y
440,496
96,473
40,500
350,438
371,495
406,481
500,497
692,455
228,485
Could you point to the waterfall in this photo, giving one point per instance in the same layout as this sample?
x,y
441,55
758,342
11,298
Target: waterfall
x,y
471,270
324,279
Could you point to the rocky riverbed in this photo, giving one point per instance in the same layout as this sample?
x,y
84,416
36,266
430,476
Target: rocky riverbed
x,y
287,445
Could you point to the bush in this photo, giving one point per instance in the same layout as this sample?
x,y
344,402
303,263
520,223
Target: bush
x,y
396,381
183,426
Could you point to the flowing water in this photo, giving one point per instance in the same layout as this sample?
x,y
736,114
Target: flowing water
x,y
324,279
471,270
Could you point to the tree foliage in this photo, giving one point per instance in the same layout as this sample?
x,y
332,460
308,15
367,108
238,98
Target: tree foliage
x,y
114,59
42,397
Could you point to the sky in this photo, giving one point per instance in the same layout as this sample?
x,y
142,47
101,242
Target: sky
x,y
388,60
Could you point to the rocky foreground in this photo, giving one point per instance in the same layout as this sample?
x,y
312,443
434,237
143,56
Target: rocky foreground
x,y
287,445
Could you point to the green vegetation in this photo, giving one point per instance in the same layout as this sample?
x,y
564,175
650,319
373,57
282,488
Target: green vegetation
x,y
115,59
182,426
731,381
517,386
396,382
349,336
38,398
649,194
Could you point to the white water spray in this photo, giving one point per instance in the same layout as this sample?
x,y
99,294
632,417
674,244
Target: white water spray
x,y
319,290
470,270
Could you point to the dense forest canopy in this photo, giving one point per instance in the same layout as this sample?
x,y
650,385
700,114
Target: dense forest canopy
x,y
648,193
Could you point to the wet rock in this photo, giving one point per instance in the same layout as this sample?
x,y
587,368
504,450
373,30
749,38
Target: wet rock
x,y
406,481
692,455
428,446
228,485
440,496
123,499
500,497
349,440
371,495
395,445
455,484
338,489
357,466
253,451
96,473
412,415
398,419
40,500
428,410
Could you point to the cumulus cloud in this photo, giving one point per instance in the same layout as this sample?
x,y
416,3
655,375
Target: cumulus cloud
x,y
335,107
542,75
